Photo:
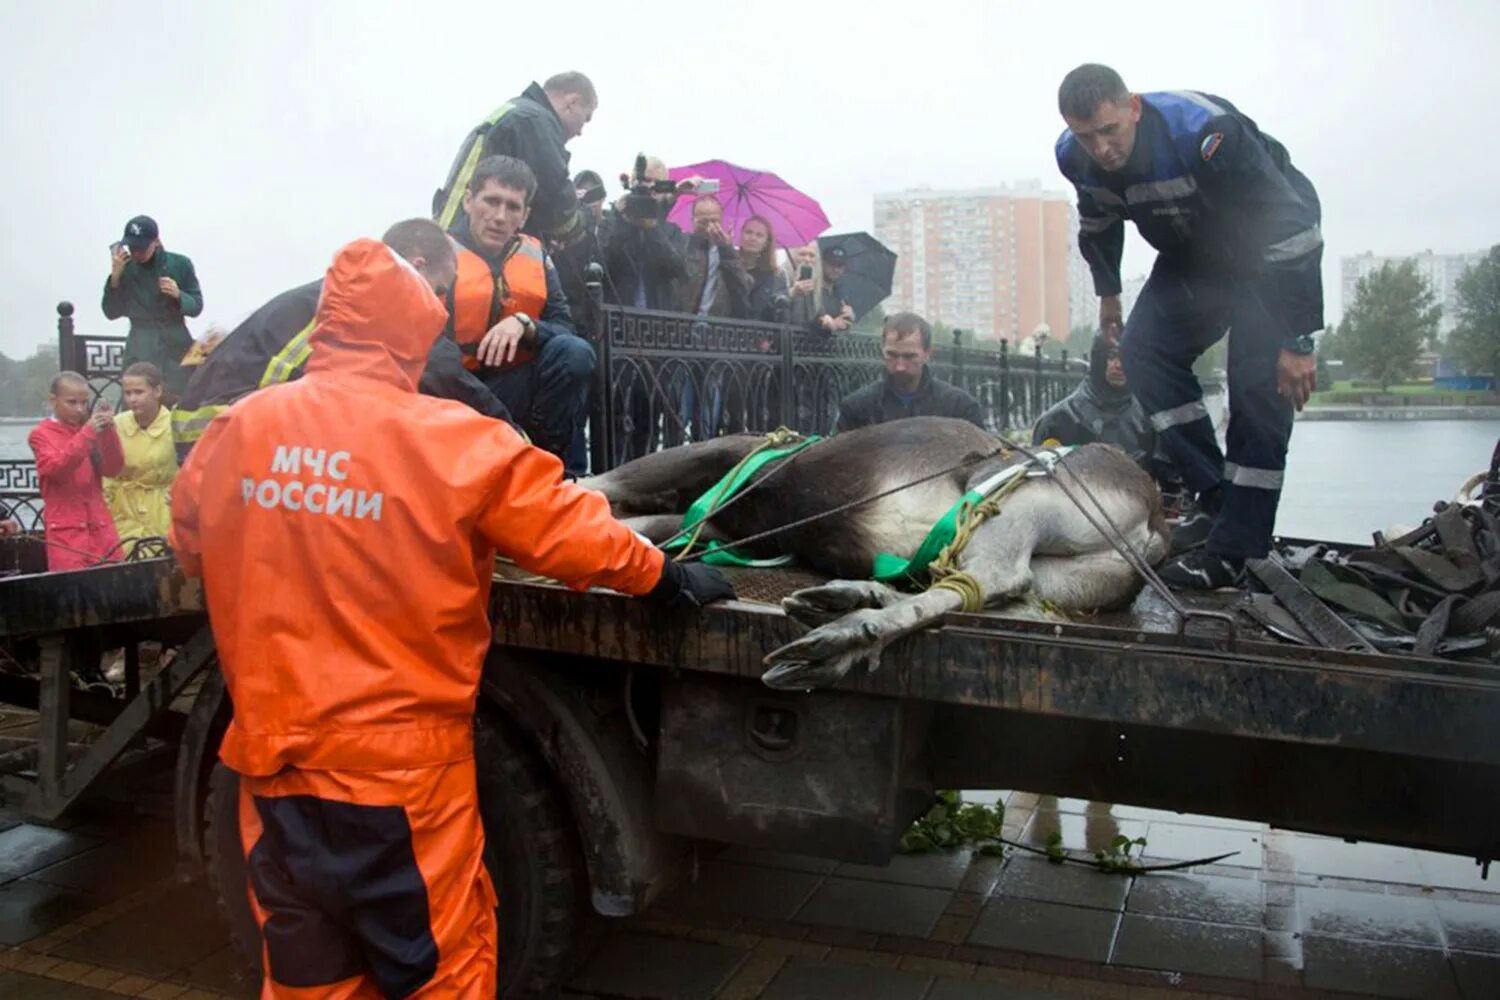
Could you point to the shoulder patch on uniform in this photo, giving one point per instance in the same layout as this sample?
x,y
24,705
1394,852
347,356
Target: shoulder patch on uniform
x,y
1210,145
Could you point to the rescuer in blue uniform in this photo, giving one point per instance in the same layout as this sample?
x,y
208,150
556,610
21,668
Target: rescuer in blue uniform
x,y
1237,231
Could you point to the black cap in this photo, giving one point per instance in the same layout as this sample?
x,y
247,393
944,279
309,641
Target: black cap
x,y
836,254
139,232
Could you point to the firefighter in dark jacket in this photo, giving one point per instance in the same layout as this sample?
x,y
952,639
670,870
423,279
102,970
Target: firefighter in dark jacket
x,y
154,289
1236,227
908,388
508,313
534,128
273,344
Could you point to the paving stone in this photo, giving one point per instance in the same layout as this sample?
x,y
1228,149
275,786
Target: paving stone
x,y
1478,975
876,907
25,848
1188,946
1368,862
132,862
968,989
1209,898
1044,928
21,986
1080,833
1075,885
778,859
1452,871
938,870
30,909
801,979
1470,926
1179,842
637,965
157,938
223,971
724,888
1376,968
1345,914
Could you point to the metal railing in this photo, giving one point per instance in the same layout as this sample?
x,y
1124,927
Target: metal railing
x,y
668,378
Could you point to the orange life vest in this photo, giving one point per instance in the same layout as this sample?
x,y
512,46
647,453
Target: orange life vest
x,y
480,298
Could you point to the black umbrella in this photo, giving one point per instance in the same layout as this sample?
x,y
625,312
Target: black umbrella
x,y
870,268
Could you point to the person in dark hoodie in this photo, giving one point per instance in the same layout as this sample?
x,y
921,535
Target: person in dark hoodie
x,y
535,128
1102,409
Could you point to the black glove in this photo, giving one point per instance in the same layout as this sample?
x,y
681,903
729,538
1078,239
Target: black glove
x,y
689,585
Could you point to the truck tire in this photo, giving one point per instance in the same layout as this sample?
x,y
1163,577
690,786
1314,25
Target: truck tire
x,y
529,850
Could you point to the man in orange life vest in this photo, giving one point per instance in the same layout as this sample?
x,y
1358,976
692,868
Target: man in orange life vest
x,y
508,312
345,527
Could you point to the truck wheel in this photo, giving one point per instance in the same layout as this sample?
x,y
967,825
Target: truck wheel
x,y
529,851
224,858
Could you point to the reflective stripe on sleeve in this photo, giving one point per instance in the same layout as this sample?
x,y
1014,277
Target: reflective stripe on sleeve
x,y
1296,246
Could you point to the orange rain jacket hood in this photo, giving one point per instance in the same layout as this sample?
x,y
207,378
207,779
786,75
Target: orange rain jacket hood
x,y
346,526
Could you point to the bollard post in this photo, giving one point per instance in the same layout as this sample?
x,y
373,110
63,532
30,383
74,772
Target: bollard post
x,y
65,342
601,412
1004,384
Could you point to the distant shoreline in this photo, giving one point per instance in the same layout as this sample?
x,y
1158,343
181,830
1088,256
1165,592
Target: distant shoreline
x,y
1389,413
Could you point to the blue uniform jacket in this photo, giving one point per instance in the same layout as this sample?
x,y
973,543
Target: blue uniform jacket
x,y
1214,195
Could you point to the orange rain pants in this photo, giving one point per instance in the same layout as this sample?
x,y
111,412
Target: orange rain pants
x,y
370,884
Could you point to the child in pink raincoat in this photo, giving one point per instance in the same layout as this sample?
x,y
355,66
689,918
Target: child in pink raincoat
x,y
73,450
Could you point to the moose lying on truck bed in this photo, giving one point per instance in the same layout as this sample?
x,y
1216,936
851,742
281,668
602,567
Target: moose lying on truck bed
x,y
1022,528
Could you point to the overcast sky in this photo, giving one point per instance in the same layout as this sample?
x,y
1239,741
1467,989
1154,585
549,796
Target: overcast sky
x,y
263,136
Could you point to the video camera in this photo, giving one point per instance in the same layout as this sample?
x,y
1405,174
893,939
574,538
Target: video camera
x,y
640,201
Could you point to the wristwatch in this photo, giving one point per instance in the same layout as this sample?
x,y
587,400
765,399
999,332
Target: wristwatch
x,y
1301,345
528,325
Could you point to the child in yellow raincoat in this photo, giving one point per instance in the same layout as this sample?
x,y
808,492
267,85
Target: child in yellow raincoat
x,y
139,497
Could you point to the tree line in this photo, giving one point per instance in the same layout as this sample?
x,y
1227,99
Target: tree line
x,y
1395,314
24,384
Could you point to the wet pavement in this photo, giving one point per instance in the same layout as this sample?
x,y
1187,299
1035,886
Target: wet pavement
x,y
95,909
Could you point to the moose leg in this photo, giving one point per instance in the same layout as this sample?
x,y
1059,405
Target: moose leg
x,y
656,483
998,557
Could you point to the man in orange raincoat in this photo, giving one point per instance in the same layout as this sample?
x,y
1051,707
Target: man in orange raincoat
x,y
345,527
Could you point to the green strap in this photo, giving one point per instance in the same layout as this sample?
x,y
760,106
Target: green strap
x,y
890,568
721,493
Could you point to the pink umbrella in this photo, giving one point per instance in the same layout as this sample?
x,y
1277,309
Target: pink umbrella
x,y
795,218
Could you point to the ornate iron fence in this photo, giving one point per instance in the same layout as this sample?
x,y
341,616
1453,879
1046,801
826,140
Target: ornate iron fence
x,y
667,378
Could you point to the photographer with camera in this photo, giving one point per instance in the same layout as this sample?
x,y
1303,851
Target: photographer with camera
x,y
641,251
155,289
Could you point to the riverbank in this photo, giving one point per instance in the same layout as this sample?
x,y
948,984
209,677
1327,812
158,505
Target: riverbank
x,y
1399,413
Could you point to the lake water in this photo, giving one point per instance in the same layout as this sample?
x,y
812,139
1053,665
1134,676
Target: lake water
x,y
1344,480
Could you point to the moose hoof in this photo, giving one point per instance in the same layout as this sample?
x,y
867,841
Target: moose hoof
x,y
827,653
820,605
